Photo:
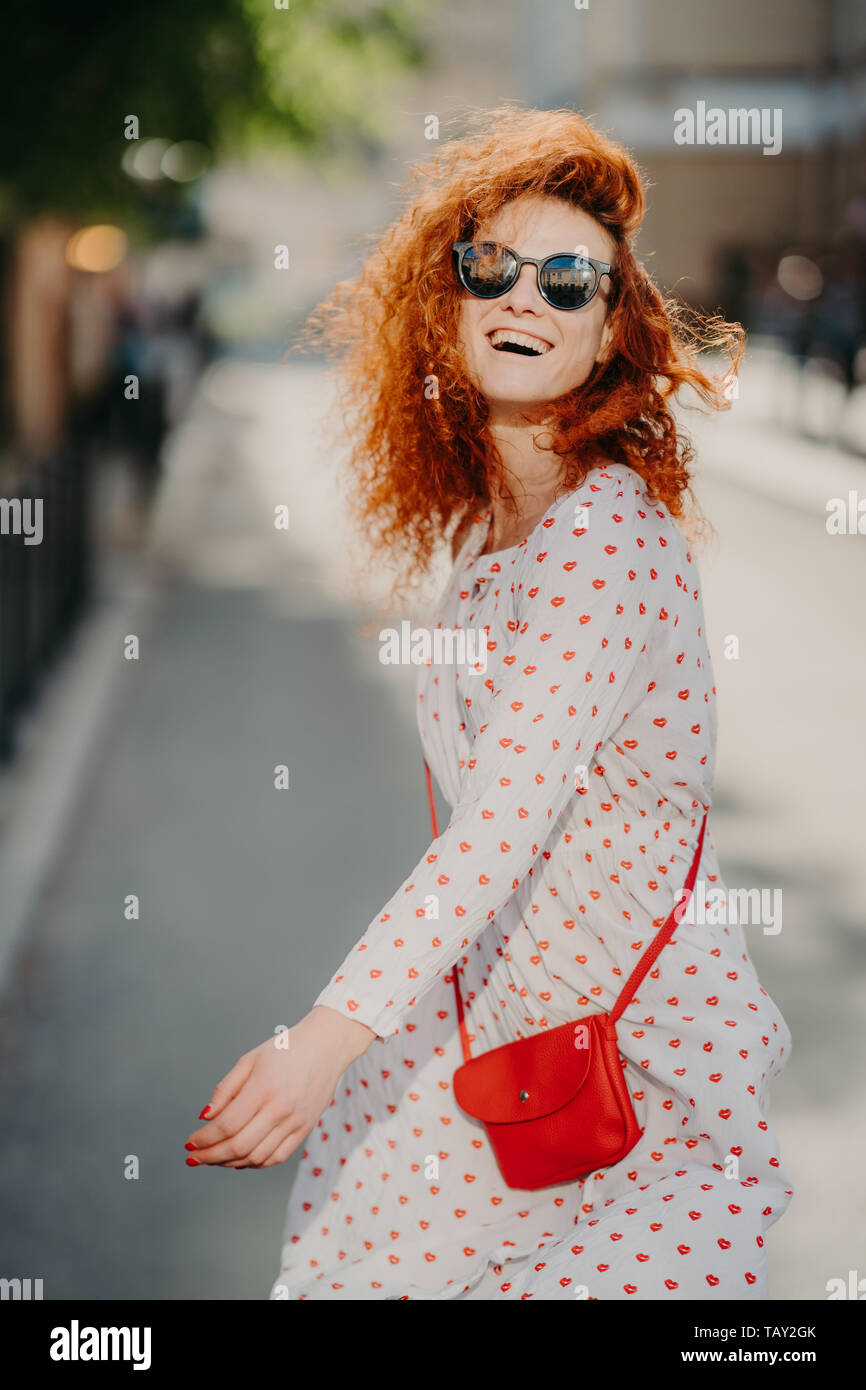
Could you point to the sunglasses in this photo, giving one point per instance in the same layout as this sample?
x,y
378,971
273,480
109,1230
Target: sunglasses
x,y
489,269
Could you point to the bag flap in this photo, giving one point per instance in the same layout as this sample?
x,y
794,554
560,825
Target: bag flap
x,y
548,1069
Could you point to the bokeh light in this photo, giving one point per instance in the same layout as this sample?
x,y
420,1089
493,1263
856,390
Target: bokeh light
x,y
799,277
185,161
97,248
143,159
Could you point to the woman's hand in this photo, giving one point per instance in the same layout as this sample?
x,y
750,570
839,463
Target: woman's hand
x,y
273,1096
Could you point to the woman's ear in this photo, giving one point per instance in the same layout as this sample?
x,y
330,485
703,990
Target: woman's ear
x,y
608,334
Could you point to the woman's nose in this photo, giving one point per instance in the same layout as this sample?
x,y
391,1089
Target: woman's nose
x,y
524,294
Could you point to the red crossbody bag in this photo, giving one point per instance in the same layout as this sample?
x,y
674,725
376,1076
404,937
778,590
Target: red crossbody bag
x,y
556,1105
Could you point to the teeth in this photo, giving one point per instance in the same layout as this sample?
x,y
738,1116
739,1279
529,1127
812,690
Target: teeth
x,y
526,340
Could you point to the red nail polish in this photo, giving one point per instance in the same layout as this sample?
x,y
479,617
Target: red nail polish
x,y
204,1113
193,1163
189,1146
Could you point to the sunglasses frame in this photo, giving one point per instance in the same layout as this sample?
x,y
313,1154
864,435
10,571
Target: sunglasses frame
x,y
460,248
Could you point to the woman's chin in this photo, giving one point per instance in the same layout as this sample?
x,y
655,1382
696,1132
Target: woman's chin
x,y
504,405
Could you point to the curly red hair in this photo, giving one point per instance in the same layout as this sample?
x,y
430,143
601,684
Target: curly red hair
x,y
422,460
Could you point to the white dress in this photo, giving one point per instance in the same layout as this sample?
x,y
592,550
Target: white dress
x,y
547,883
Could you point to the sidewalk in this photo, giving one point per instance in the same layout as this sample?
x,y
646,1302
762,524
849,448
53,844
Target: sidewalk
x,y
249,897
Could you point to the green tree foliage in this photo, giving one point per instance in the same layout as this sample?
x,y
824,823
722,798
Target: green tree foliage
x,y
226,73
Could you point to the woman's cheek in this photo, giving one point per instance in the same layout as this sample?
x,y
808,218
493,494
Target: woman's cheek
x,y
466,344
583,360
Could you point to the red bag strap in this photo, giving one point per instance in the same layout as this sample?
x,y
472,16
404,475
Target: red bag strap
x,y
647,960
434,824
662,937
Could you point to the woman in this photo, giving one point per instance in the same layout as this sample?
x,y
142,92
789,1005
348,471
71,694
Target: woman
x,y
520,406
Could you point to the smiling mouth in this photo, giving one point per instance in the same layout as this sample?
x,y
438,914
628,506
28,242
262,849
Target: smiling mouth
x,y
520,344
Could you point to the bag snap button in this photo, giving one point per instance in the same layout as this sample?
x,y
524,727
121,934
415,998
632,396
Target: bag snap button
x,y
524,1095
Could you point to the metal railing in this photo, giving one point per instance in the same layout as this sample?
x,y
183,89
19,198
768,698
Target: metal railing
x,y
44,585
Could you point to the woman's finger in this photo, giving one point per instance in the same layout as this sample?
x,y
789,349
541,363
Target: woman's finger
x,y
227,1089
269,1145
287,1147
234,1117
263,1150
240,1144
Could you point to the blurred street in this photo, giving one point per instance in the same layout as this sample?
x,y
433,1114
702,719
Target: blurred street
x,y
260,651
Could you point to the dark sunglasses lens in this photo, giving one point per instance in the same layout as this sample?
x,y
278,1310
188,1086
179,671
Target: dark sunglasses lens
x,y
488,269
568,281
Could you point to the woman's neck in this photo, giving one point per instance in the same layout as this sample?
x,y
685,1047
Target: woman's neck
x,y
532,474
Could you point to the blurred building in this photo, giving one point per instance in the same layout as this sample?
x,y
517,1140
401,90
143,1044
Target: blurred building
x,y
758,209
630,65
721,216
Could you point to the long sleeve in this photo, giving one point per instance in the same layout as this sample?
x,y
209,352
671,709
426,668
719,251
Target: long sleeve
x,y
587,604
